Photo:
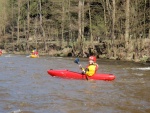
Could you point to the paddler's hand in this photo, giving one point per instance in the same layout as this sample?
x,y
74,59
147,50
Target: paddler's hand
x,y
83,71
80,66
86,69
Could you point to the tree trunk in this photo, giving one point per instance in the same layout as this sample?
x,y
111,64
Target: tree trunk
x,y
113,19
127,22
91,35
12,27
113,27
28,24
108,8
105,19
70,26
149,34
35,32
41,22
79,21
144,19
82,20
18,23
62,22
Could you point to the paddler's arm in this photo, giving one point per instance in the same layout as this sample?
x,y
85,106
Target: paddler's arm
x,y
83,70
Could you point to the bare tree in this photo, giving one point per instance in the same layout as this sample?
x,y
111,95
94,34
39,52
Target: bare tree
x,y
90,22
127,22
62,21
113,27
79,21
28,24
41,25
105,18
82,25
113,18
18,23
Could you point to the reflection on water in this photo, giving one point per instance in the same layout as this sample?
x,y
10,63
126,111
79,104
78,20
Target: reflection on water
x,y
143,68
25,87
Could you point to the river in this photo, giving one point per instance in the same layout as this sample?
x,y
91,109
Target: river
x,y
25,87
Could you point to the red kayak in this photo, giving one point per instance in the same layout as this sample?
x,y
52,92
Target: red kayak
x,y
75,75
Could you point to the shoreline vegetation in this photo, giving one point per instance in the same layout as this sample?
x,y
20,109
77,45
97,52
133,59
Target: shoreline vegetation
x,y
137,52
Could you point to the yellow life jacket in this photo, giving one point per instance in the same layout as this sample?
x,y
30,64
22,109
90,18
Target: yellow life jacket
x,y
91,70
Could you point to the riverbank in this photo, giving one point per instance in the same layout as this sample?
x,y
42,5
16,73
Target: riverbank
x,y
67,52
137,50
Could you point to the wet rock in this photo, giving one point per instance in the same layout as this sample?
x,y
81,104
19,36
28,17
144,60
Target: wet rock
x,y
148,60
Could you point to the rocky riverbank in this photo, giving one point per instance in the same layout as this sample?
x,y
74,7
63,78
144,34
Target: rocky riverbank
x,y
135,50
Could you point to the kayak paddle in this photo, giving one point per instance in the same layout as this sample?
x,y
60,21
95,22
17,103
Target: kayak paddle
x,y
77,62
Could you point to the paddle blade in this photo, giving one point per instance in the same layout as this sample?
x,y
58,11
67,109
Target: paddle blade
x,y
76,61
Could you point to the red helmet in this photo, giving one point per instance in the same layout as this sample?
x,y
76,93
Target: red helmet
x,y
92,58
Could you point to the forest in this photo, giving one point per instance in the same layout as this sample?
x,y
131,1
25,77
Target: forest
x,y
112,29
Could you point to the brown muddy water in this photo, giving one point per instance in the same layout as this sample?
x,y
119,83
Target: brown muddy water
x,y
25,87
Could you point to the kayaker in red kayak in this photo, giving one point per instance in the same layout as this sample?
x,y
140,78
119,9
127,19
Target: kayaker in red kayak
x,y
89,73
91,68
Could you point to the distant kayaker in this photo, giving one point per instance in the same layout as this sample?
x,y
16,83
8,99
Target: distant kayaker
x,y
91,68
1,52
34,52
